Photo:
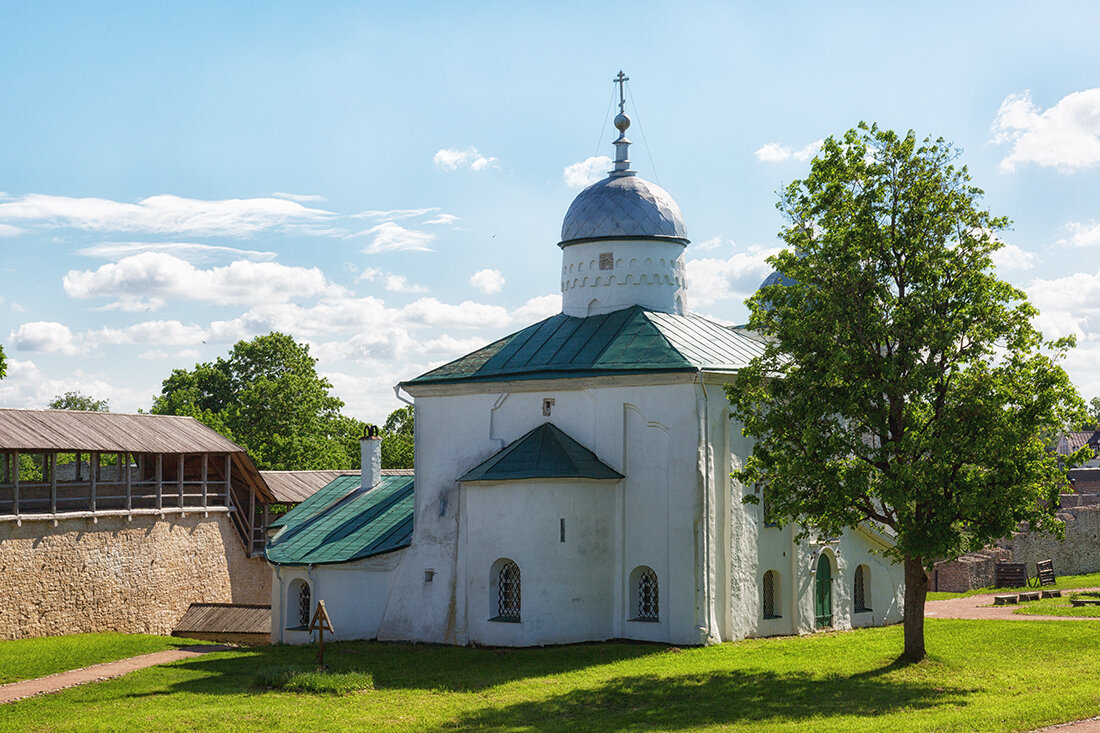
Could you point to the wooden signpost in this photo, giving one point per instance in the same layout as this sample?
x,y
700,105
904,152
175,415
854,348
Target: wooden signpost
x,y
321,624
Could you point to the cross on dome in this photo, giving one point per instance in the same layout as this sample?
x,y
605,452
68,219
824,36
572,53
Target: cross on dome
x,y
620,80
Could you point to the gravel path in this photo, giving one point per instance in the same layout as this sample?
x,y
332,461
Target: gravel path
x,y
97,672
981,607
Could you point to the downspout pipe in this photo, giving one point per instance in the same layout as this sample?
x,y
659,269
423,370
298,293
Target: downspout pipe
x,y
281,599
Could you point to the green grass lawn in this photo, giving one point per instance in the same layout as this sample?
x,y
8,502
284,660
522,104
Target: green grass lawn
x,y
27,658
1057,607
1091,580
982,676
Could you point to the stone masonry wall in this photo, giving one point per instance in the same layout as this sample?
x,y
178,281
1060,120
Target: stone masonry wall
x,y
1078,553
135,576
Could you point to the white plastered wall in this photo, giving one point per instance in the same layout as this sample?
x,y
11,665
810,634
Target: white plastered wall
x,y
356,595
649,273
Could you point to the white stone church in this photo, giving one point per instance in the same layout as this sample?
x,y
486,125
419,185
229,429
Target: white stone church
x,y
572,480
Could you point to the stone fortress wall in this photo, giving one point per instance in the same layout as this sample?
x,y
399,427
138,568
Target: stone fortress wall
x,y
136,576
1078,553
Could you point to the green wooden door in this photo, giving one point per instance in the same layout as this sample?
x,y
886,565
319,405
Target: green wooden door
x,y
824,596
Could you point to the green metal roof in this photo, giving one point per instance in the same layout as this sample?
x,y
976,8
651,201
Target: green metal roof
x,y
629,341
343,522
545,452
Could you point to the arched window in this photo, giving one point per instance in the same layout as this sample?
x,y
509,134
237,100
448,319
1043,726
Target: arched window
x,y
647,601
299,604
506,583
861,596
770,591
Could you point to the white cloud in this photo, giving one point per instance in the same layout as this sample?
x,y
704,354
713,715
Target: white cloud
x,y
450,160
391,237
445,219
1065,137
1067,305
587,171
487,280
1011,257
448,347
369,274
163,276
712,279
28,386
17,308
537,308
160,354
394,214
1082,235
171,333
708,245
467,314
184,250
163,214
304,198
134,304
777,153
7,230
401,284
46,336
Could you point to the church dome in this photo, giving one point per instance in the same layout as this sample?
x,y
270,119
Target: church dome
x,y
776,277
623,206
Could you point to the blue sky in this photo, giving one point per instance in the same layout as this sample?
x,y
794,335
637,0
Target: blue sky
x,y
387,181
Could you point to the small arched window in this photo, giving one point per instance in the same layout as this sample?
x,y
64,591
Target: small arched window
x,y
861,597
647,600
507,585
299,604
770,591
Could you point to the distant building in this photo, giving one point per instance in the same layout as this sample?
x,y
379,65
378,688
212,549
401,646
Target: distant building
x,y
573,480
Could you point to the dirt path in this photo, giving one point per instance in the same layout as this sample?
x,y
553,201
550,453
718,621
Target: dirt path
x,y
97,672
981,607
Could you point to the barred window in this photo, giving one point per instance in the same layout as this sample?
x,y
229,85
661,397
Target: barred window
x,y
771,592
648,600
299,605
508,592
645,601
860,598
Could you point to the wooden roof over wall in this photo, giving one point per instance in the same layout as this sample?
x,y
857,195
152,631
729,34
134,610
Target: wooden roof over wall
x,y
294,487
108,432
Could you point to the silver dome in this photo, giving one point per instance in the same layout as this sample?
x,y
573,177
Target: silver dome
x,y
623,206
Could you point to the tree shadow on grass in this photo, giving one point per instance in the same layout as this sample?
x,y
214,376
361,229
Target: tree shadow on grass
x,y
687,701
407,666
640,700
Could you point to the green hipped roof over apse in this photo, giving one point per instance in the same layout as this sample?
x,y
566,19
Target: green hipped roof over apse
x,y
629,341
545,452
343,522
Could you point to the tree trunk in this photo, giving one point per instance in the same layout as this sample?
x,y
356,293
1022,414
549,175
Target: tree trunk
x,y
916,589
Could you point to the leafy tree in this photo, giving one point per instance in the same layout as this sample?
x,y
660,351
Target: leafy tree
x,y
78,401
3,363
902,383
1093,420
268,397
397,439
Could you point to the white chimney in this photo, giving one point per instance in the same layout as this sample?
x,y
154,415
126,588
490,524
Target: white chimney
x,y
370,455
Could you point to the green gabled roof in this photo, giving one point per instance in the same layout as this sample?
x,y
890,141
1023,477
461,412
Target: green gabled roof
x,y
344,522
632,340
545,452
331,492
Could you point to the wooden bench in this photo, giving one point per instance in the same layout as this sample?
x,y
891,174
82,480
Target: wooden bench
x,y
1044,570
1084,601
1010,575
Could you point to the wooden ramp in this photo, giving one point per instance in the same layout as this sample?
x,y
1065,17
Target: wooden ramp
x,y
232,623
